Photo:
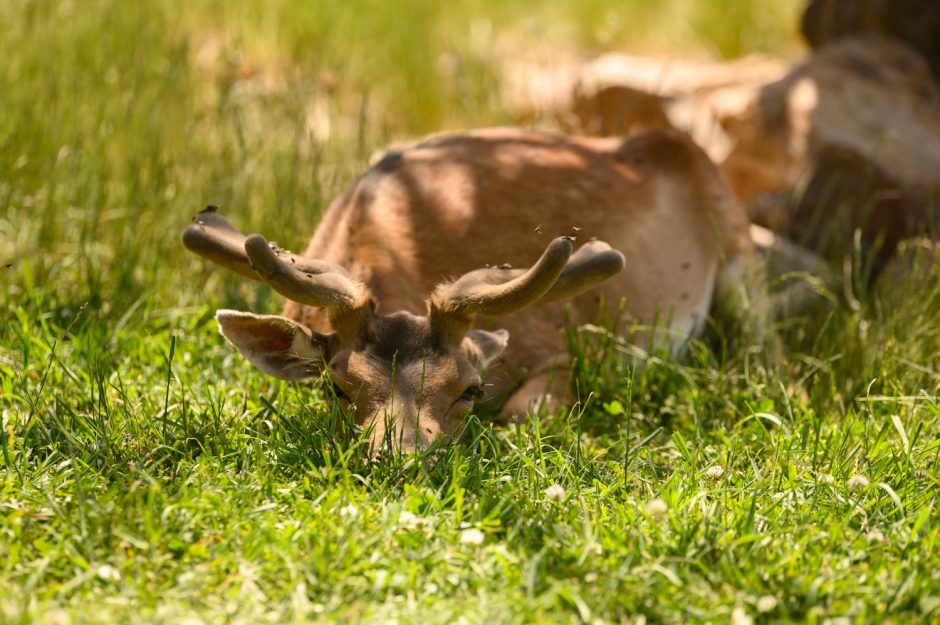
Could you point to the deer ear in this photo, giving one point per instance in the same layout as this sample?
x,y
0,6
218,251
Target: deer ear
x,y
483,347
275,344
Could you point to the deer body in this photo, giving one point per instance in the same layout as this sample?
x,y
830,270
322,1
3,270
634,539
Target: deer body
x,y
495,198
445,207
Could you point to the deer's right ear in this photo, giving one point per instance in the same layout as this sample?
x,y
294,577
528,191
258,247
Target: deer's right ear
x,y
483,347
275,344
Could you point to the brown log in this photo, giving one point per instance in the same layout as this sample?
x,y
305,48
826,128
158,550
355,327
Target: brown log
x,y
914,22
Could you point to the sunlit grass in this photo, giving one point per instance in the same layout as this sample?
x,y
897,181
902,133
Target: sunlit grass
x,y
148,473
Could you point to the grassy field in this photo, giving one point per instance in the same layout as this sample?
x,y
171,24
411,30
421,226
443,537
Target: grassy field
x,y
149,474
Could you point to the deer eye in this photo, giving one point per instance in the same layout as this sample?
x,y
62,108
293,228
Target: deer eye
x,y
472,393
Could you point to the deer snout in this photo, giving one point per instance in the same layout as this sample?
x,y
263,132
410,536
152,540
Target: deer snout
x,y
401,425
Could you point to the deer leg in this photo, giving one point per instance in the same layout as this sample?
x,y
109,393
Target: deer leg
x,y
805,275
546,390
743,303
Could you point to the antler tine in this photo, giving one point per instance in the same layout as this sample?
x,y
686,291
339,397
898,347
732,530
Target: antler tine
x,y
499,291
213,237
594,262
556,275
320,284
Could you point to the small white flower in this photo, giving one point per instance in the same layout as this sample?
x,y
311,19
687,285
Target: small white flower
x,y
60,617
349,512
555,492
825,478
108,573
715,472
875,536
767,603
381,576
858,482
471,536
657,508
740,617
407,519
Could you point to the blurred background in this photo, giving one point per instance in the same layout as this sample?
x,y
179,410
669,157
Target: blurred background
x,y
121,120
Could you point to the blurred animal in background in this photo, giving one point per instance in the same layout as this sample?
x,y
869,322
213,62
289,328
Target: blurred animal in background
x,y
838,151
915,23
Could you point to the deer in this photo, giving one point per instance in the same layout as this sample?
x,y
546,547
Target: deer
x,y
395,300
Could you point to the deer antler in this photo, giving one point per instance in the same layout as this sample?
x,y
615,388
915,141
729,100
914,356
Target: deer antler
x,y
320,284
304,280
503,291
594,262
557,274
213,237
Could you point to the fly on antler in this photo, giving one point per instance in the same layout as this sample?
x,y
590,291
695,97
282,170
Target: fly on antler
x,y
371,298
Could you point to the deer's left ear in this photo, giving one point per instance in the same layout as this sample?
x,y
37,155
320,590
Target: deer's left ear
x,y
483,347
277,345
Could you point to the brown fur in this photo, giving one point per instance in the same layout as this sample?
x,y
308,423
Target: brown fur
x,y
407,362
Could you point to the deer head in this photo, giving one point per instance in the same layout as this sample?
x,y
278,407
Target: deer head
x,y
411,379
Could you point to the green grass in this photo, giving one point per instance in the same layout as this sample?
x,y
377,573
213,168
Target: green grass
x,y
148,473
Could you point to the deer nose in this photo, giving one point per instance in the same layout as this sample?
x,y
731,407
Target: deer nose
x,y
396,426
